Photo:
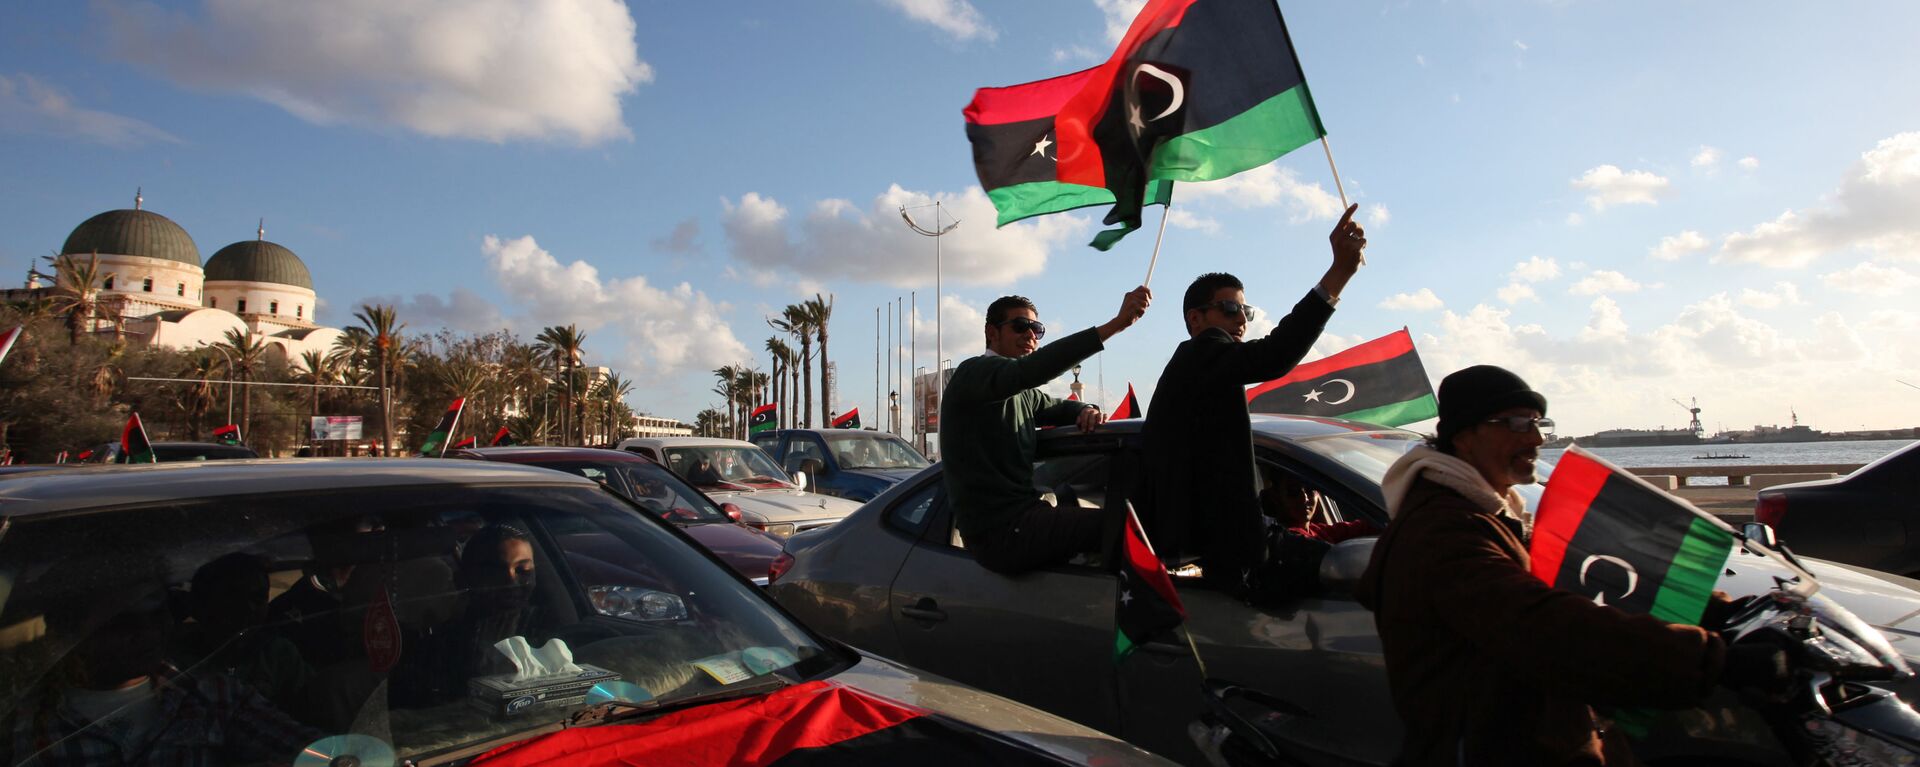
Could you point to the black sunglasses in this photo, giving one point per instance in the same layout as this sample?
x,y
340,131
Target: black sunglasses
x,y
1521,424
1231,307
1024,325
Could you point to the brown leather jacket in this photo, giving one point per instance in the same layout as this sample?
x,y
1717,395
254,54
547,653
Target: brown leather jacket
x,y
1490,666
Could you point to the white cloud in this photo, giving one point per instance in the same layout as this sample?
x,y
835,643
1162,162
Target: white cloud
x,y
1421,301
1520,45
1870,279
494,70
1077,53
1515,292
838,240
955,17
1783,294
1535,269
1672,248
1181,218
1269,186
1872,211
1749,162
1378,215
666,330
31,107
1420,58
1604,322
962,329
1707,157
1608,185
1603,281
464,311
1119,15
1575,219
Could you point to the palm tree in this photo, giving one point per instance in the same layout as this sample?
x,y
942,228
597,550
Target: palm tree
x,y
563,346
320,371
107,376
615,390
797,320
382,325
729,377
782,360
249,350
821,310
199,399
76,291
523,372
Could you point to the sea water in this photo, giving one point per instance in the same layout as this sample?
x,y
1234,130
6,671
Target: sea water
x,y
1757,454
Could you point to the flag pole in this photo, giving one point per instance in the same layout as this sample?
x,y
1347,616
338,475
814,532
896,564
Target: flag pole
x,y
1164,212
1337,186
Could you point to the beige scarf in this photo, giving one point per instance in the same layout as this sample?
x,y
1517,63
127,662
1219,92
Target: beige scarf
x,y
1456,475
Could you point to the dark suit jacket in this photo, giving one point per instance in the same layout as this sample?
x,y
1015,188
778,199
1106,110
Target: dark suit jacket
x,y
1200,445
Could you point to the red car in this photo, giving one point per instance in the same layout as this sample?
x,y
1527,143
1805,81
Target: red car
x,y
650,485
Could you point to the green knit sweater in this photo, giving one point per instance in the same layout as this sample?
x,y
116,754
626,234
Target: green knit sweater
x,y
987,420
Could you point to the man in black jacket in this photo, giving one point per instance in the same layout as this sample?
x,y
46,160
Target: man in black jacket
x,y
1198,436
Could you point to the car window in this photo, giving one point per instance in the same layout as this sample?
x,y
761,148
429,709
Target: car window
x,y
874,450
1065,479
803,448
726,467
376,606
1367,453
912,514
649,485
769,442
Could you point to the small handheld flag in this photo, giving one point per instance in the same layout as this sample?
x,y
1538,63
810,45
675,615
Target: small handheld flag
x,y
1603,533
1380,381
501,438
466,443
134,445
228,434
1129,407
436,444
763,418
848,420
1146,602
7,339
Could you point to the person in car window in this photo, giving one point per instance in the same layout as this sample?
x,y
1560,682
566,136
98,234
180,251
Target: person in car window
x,y
1487,664
1199,439
992,406
229,605
1292,505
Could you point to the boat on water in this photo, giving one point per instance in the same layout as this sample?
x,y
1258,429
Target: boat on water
x,y
1725,457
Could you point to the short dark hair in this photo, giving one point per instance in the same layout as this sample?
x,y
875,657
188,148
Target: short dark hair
x,y
1200,293
997,311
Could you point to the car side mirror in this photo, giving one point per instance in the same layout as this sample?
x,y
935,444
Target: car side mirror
x,y
733,512
810,472
1761,533
800,478
1341,568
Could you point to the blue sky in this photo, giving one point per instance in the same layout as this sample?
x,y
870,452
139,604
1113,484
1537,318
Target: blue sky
x,y
1626,202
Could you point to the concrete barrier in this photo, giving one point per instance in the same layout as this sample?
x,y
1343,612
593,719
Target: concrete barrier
x,y
1763,481
1667,482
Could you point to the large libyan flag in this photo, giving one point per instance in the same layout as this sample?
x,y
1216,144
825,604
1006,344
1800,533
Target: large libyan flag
x,y
1606,534
1380,381
1198,90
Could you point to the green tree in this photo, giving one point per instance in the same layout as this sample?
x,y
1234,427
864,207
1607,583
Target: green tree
x,y
382,326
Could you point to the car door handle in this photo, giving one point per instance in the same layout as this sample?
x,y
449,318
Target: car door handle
x,y
924,610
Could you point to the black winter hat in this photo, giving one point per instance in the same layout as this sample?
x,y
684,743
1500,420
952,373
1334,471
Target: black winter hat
x,y
1469,395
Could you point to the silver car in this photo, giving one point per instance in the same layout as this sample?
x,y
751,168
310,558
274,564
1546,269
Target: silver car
x,y
896,580
739,472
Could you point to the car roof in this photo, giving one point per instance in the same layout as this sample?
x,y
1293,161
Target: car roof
x,y
536,453
688,442
117,485
1289,428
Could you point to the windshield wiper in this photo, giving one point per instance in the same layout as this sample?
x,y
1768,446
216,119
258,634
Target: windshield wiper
x,y
615,710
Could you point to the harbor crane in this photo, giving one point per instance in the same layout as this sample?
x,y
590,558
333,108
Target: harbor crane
x,y
1693,410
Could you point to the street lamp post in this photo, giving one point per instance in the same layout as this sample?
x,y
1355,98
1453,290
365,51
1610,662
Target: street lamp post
x,y
223,353
939,384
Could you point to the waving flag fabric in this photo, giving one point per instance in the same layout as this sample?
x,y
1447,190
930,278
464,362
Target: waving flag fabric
x,y
1146,603
1380,381
228,434
134,445
1129,407
7,339
848,420
763,418
1604,533
466,443
436,444
501,438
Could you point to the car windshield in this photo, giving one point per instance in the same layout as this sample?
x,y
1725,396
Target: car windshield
x,y
274,621
874,451
648,484
726,467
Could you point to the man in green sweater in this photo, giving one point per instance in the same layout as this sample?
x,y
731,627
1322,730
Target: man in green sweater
x,y
988,414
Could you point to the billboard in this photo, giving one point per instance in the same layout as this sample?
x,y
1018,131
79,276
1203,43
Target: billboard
x,y
337,427
926,400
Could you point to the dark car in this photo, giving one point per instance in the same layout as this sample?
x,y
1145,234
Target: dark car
x,y
746,550
1867,518
851,463
301,611
897,579
172,452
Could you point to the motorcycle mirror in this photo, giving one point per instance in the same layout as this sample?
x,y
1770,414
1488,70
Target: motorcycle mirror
x,y
1762,532
1341,568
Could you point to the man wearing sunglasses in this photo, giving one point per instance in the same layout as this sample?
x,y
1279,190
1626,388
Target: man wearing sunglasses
x,y
992,404
1199,438
1488,664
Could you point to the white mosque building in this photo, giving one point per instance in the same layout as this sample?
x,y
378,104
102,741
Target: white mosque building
x,y
163,295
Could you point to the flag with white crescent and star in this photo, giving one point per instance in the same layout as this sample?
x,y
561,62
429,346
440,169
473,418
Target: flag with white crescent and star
x,y
1197,90
764,418
1146,603
1604,533
1380,381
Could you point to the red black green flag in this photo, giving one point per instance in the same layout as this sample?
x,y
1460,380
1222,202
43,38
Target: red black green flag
x,y
763,418
1129,407
1380,381
134,445
436,444
7,338
501,438
1605,533
466,443
1198,90
228,434
1146,603
848,420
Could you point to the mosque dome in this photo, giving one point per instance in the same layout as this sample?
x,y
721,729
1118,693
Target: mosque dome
x,y
258,261
134,233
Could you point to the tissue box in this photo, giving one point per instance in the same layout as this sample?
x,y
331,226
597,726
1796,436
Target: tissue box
x,y
503,696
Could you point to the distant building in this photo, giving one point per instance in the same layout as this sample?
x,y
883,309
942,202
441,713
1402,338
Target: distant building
x,y
156,291
654,426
